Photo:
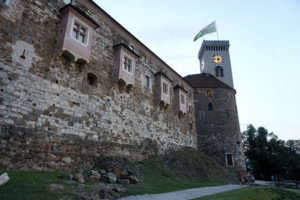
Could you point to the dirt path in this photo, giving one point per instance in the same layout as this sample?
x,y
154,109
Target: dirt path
x,y
185,194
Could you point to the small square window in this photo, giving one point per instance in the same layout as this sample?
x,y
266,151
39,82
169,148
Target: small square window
x,y
127,64
92,79
165,88
79,32
147,83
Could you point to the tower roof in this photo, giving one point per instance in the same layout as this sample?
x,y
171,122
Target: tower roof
x,y
206,80
212,43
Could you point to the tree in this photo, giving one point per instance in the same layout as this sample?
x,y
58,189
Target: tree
x,y
294,144
267,155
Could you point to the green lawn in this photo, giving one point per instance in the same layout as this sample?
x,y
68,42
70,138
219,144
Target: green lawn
x,y
30,185
255,193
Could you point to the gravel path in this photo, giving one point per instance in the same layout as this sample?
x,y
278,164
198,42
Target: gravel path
x,y
185,194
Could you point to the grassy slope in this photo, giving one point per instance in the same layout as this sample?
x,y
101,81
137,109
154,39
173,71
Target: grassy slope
x,y
177,171
180,170
255,193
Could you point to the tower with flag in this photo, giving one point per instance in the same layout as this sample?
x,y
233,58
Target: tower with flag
x,y
217,121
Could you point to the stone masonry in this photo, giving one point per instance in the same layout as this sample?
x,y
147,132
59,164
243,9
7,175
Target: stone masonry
x,y
52,117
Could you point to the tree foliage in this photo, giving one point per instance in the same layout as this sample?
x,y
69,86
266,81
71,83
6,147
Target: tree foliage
x,y
267,155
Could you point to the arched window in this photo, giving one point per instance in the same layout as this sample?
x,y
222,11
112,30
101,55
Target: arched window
x,y
210,107
219,71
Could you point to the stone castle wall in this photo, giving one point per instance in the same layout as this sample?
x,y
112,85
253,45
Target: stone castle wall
x,y
51,118
218,129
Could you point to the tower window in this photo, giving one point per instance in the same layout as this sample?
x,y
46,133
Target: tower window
x,y
227,114
208,93
210,107
92,79
229,159
79,32
219,71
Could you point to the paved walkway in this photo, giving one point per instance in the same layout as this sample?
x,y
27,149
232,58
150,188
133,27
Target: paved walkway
x,y
186,194
264,183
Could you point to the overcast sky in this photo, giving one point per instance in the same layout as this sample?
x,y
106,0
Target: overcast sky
x,y
265,49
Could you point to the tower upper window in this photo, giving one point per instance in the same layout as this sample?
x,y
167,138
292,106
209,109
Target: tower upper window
x,y
219,71
208,93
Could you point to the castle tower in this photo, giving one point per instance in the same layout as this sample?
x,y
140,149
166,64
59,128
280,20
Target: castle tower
x,y
217,122
214,59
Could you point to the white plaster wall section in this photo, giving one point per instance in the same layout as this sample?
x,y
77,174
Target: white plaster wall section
x,y
22,48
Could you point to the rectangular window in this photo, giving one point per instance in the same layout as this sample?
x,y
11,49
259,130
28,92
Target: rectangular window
x,y
182,99
79,32
229,159
147,81
165,88
127,64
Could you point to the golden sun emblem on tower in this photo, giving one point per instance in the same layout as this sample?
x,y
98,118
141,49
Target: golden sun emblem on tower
x,y
217,59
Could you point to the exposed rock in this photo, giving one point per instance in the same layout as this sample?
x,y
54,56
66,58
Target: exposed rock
x,y
130,172
97,175
79,178
104,178
111,177
125,181
116,172
92,179
4,179
66,176
124,174
133,179
56,187
92,172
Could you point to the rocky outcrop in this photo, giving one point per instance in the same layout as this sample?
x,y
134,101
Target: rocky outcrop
x,y
112,176
4,179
